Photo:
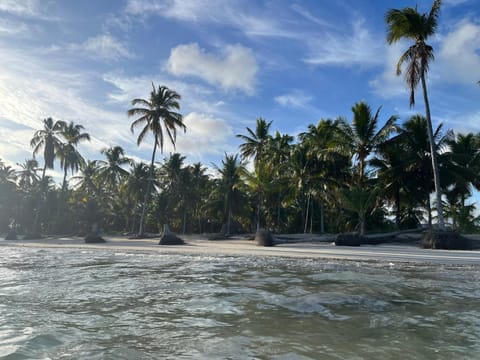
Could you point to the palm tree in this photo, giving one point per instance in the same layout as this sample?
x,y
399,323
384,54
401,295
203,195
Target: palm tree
x,y
409,24
27,176
256,146
69,156
112,171
87,181
361,137
255,142
417,157
48,139
136,185
158,116
464,155
230,184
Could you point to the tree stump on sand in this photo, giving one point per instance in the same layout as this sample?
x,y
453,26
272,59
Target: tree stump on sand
x,y
446,240
11,235
170,239
264,238
93,238
349,239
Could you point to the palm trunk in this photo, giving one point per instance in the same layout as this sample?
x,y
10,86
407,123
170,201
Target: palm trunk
x,y
39,202
184,219
398,209
362,222
436,172
306,215
147,193
322,217
258,210
229,219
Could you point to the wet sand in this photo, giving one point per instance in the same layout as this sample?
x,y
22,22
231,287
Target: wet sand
x,y
316,250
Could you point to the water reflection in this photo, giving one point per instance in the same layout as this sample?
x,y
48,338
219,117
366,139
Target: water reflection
x,y
66,304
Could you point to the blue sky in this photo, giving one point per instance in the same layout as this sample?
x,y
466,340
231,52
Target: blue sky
x,y
292,62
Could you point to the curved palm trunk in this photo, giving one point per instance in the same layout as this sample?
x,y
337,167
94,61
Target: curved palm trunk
x,y
436,172
147,193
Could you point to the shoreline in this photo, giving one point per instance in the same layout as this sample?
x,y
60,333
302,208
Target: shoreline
x,y
387,253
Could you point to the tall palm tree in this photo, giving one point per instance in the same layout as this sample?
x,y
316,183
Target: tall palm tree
x,y
156,115
361,137
69,156
230,183
49,140
409,24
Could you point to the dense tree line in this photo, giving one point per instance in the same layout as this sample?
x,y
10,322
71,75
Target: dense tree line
x,y
336,176
339,175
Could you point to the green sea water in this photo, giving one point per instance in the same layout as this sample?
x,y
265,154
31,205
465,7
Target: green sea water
x,y
102,304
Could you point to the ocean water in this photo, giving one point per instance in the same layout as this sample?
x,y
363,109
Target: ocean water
x,y
102,304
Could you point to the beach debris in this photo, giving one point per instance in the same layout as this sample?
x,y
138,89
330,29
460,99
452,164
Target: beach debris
x,y
264,238
446,240
170,239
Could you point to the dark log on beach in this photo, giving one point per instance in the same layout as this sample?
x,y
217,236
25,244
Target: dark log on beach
x,y
170,239
446,240
264,238
349,239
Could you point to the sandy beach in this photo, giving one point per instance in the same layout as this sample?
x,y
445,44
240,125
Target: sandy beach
x,y
390,253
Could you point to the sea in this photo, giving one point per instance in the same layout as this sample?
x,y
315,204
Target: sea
x,y
66,303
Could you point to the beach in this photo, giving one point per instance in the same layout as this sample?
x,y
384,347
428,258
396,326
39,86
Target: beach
x,y
197,244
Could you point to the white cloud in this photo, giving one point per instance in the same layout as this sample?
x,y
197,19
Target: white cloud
x,y
178,9
387,84
252,21
459,54
235,68
8,27
24,7
104,47
295,99
206,135
359,47
33,88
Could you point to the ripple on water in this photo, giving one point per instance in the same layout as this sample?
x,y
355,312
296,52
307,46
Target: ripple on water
x,y
63,304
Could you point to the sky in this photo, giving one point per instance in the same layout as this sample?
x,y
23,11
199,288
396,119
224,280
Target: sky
x,y
290,62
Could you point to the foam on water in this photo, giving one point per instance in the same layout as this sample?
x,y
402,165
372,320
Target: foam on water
x,y
66,303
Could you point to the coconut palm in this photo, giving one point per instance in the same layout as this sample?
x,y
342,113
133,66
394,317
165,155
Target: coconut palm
x,y
230,184
361,137
417,157
27,175
255,142
86,181
111,171
49,140
70,158
156,115
464,155
409,24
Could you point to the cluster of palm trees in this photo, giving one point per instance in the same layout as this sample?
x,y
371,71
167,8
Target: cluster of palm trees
x,y
338,175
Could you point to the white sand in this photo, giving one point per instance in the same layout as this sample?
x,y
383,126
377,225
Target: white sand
x,y
195,245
